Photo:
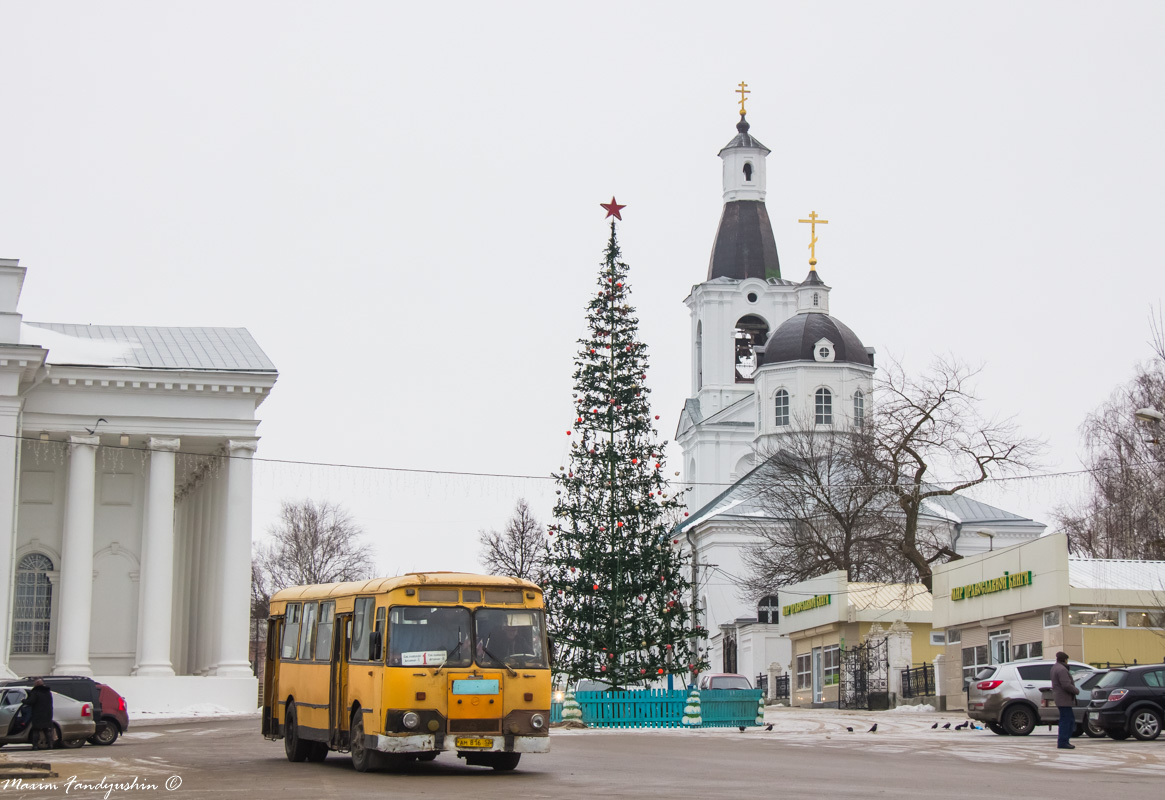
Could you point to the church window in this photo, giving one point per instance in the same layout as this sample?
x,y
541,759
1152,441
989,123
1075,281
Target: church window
x,y
815,298
823,407
859,409
699,355
823,353
34,595
747,171
782,408
768,610
751,332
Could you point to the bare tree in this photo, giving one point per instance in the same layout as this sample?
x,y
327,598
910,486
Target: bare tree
x,y
820,512
519,550
313,543
1124,514
926,437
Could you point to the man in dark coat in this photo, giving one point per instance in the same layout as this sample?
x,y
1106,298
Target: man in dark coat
x,y
1064,691
40,726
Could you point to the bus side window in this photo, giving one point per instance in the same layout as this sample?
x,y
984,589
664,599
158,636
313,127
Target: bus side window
x,y
376,645
291,632
362,628
324,634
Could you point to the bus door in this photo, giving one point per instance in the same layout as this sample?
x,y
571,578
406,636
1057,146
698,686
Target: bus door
x,y
271,678
338,683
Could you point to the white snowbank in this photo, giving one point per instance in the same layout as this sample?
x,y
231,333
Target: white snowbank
x,y
922,709
65,349
192,711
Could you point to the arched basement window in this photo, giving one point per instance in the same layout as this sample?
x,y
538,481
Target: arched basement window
x,y
33,607
823,406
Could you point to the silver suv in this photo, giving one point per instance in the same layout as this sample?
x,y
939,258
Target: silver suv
x,y
1006,697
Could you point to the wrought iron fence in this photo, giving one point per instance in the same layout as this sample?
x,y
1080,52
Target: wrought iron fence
x,y
780,686
865,675
918,681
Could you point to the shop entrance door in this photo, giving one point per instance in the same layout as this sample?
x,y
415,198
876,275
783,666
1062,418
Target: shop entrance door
x,y
818,676
1000,643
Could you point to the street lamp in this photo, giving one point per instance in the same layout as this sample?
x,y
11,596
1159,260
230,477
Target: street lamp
x,y
991,537
1150,416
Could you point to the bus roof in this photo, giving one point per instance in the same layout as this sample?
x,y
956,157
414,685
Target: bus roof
x,y
379,585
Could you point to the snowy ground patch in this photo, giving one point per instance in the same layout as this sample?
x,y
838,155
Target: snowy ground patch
x,y
922,709
195,711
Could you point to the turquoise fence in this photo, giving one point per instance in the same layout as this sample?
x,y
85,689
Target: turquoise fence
x,y
660,708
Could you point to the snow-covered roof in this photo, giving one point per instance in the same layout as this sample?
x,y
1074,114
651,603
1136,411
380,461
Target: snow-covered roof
x,y
905,596
134,346
1099,573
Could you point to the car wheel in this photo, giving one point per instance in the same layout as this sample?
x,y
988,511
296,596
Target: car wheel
x,y
296,748
107,733
995,727
1078,730
363,759
1019,720
1145,724
1092,729
68,744
1119,735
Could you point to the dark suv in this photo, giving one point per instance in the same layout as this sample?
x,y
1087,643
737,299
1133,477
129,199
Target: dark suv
x,y
109,708
1130,701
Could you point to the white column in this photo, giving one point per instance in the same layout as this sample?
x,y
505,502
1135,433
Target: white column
x,y
215,533
76,604
197,597
156,613
234,624
9,462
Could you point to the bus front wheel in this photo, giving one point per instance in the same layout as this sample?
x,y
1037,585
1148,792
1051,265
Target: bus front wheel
x,y
363,759
296,748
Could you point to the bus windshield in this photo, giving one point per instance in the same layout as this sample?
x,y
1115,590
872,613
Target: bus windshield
x,y
429,636
510,638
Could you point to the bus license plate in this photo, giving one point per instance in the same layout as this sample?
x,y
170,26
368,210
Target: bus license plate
x,y
463,742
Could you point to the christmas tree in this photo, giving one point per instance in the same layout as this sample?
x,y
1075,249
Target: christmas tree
x,y
616,582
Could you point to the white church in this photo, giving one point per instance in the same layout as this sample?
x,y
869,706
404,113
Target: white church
x,y
767,354
125,504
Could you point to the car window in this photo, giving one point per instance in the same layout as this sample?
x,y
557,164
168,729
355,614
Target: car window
x,y
984,673
1154,678
1088,680
1114,678
730,682
13,697
1074,668
1036,672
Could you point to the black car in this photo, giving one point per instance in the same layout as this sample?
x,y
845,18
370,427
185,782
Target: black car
x,y
1130,701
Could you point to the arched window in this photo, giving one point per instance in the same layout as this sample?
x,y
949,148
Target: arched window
x,y
781,403
823,407
34,595
859,409
699,355
815,298
751,332
747,171
768,610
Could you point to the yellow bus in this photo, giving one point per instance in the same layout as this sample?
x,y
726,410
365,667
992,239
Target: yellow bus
x,y
398,669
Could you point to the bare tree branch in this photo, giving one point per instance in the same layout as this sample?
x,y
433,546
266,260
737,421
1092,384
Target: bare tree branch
x,y
313,543
519,550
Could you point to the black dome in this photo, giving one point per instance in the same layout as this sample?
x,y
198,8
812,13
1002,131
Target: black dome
x,y
744,246
793,340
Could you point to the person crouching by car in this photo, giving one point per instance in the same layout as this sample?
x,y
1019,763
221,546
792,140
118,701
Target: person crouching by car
x,y
40,701
1064,691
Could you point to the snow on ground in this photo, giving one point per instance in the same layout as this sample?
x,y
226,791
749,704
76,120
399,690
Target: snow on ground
x,y
196,711
921,709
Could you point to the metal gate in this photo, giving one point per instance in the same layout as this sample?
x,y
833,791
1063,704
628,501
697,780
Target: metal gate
x,y
865,674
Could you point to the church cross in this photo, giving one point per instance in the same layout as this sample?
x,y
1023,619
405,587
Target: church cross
x,y
743,90
813,223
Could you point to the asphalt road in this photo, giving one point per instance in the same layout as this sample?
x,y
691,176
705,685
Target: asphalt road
x,y
817,758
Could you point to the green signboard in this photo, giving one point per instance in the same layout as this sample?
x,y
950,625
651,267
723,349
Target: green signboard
x,y
817,601
1008,581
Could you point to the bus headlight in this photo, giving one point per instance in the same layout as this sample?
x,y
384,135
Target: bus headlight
x,y
410,719
536,722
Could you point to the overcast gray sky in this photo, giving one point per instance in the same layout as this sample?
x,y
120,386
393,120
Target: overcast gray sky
x,y
400,202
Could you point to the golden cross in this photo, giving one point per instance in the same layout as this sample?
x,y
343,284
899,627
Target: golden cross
x,y
813,223
743,90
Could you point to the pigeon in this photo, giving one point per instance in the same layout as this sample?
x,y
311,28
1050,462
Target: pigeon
x,y
960,727
769,727
932,727
946,726
851,730
873,729
742,729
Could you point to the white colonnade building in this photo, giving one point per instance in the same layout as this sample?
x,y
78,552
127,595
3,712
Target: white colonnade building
x,y
125,504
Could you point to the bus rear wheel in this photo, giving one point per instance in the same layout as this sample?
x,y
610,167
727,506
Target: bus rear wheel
x,y
296,748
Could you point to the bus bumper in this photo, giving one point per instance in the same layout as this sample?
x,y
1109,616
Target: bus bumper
x,y
421,743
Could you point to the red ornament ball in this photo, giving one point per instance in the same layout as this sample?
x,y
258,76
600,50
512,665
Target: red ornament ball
x,y
668,647
635,461
660,672
568,433
642,671
685,513
596,587
603,668
619,524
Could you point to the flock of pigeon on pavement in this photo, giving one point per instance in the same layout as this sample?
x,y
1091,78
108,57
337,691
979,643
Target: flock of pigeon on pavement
x,y
968,725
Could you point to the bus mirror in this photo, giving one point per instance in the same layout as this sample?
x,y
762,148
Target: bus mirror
x,y
374,643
